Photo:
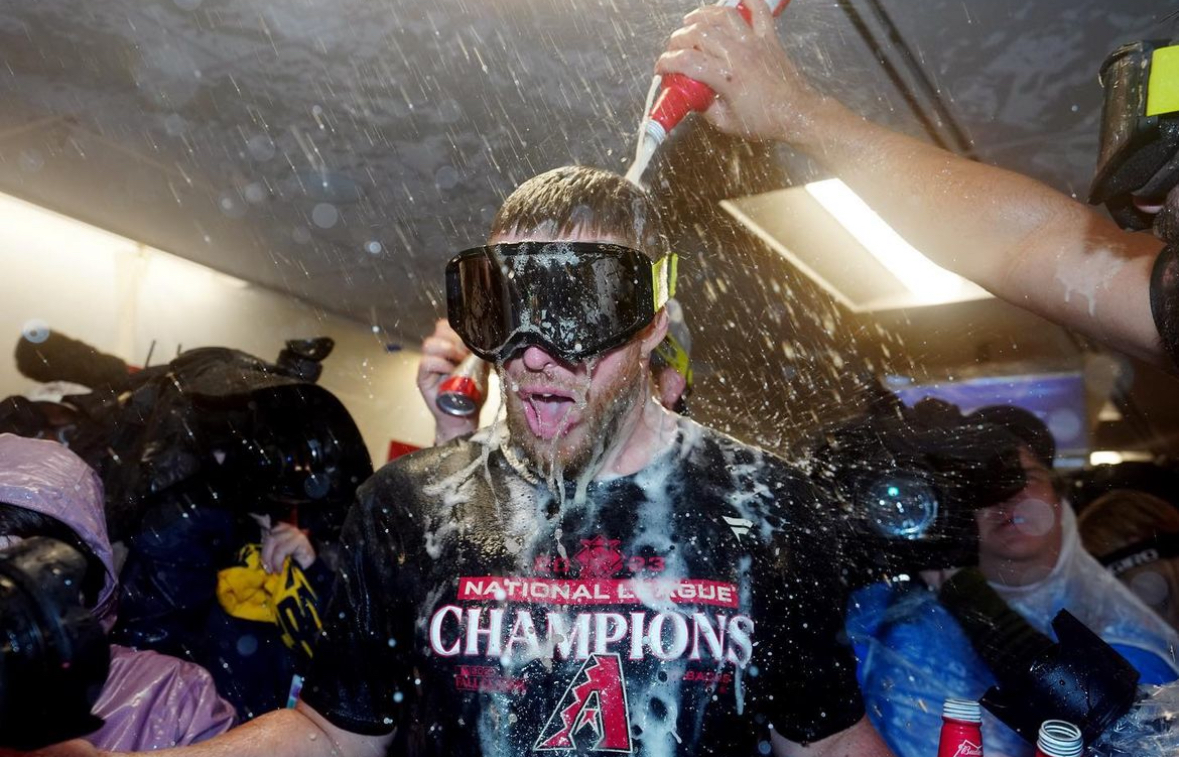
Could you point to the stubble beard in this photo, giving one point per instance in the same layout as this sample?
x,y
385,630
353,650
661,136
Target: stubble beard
x,y
559,460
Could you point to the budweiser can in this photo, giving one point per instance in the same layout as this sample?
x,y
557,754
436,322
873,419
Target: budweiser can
x,y
961,731
462,392
1059,738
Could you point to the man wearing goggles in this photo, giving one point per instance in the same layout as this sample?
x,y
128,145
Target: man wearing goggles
x,y
542,582
589,482
1023,241
555,316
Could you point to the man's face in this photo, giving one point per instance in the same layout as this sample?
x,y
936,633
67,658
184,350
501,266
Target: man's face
x,y
1027,527
563,416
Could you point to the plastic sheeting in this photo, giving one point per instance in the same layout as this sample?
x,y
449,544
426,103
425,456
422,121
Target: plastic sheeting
x,y
1150,729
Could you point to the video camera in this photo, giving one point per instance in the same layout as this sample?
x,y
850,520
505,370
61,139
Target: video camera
x,y
54,657
909,481
257,433
1139,153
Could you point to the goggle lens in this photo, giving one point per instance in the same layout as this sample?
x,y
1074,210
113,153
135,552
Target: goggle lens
x,y
577,299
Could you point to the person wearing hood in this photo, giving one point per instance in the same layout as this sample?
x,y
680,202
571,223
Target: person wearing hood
x,y
913,654
150,701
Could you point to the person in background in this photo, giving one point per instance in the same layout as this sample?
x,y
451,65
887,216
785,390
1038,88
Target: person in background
x,y
150,701
1019,239
245,473
1135,535
442,351
260,633
235,587
912,652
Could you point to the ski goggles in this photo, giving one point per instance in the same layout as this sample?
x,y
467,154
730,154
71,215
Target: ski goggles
x,y
575,299
1139,153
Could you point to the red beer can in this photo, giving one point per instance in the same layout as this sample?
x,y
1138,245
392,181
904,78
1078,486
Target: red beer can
x,y
462,392
961,729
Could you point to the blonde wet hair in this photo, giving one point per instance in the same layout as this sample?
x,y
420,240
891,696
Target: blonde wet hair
x,y
580,199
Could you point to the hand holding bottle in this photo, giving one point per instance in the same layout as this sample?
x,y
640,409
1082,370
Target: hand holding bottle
x,y
760,92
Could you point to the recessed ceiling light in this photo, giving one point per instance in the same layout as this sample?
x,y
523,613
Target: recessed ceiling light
x,y
837,240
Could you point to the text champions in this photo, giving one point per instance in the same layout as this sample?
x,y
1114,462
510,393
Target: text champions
x,y
656,627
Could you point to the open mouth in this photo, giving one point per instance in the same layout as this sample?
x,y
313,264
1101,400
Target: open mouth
x,y
1005,521
548,410
1012,521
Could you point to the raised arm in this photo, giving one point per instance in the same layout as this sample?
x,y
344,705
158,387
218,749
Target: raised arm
x,y
1021,240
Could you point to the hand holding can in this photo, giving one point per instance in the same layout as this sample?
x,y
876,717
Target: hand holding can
x,y
462,393
442,354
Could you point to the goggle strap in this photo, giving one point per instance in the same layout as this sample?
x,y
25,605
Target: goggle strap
x,y
1162,91
663,274
1159,547
674,354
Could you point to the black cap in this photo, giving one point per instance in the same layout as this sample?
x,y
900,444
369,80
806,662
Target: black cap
x,y
1023,424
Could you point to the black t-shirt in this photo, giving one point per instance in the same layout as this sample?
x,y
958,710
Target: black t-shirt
x,y
686,609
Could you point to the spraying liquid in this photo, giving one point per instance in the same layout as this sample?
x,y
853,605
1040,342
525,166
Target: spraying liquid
x,y
643,154
680,96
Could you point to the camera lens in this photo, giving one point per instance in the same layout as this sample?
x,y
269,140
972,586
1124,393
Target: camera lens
x,y
55,659
900,505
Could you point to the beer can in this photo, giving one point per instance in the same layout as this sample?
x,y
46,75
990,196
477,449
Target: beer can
x,y
462,392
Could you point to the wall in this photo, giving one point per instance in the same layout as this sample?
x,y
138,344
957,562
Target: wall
x,y
121,297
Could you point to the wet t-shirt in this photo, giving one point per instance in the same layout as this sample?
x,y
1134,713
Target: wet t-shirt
x,y
686,609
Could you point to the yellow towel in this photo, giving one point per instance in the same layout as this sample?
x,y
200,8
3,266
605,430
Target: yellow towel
x,y
285,598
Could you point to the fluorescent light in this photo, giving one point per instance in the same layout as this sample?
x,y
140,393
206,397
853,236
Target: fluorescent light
x,y
917,273
1113,457
834,239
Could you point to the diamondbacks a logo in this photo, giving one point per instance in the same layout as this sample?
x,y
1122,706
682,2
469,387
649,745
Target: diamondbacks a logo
x,y
599,557
592,715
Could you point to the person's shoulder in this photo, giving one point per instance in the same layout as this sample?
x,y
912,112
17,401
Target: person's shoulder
x,y
419,470
131,667
708,446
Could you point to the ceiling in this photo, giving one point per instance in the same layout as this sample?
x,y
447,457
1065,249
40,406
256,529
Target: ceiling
x,y
342,150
